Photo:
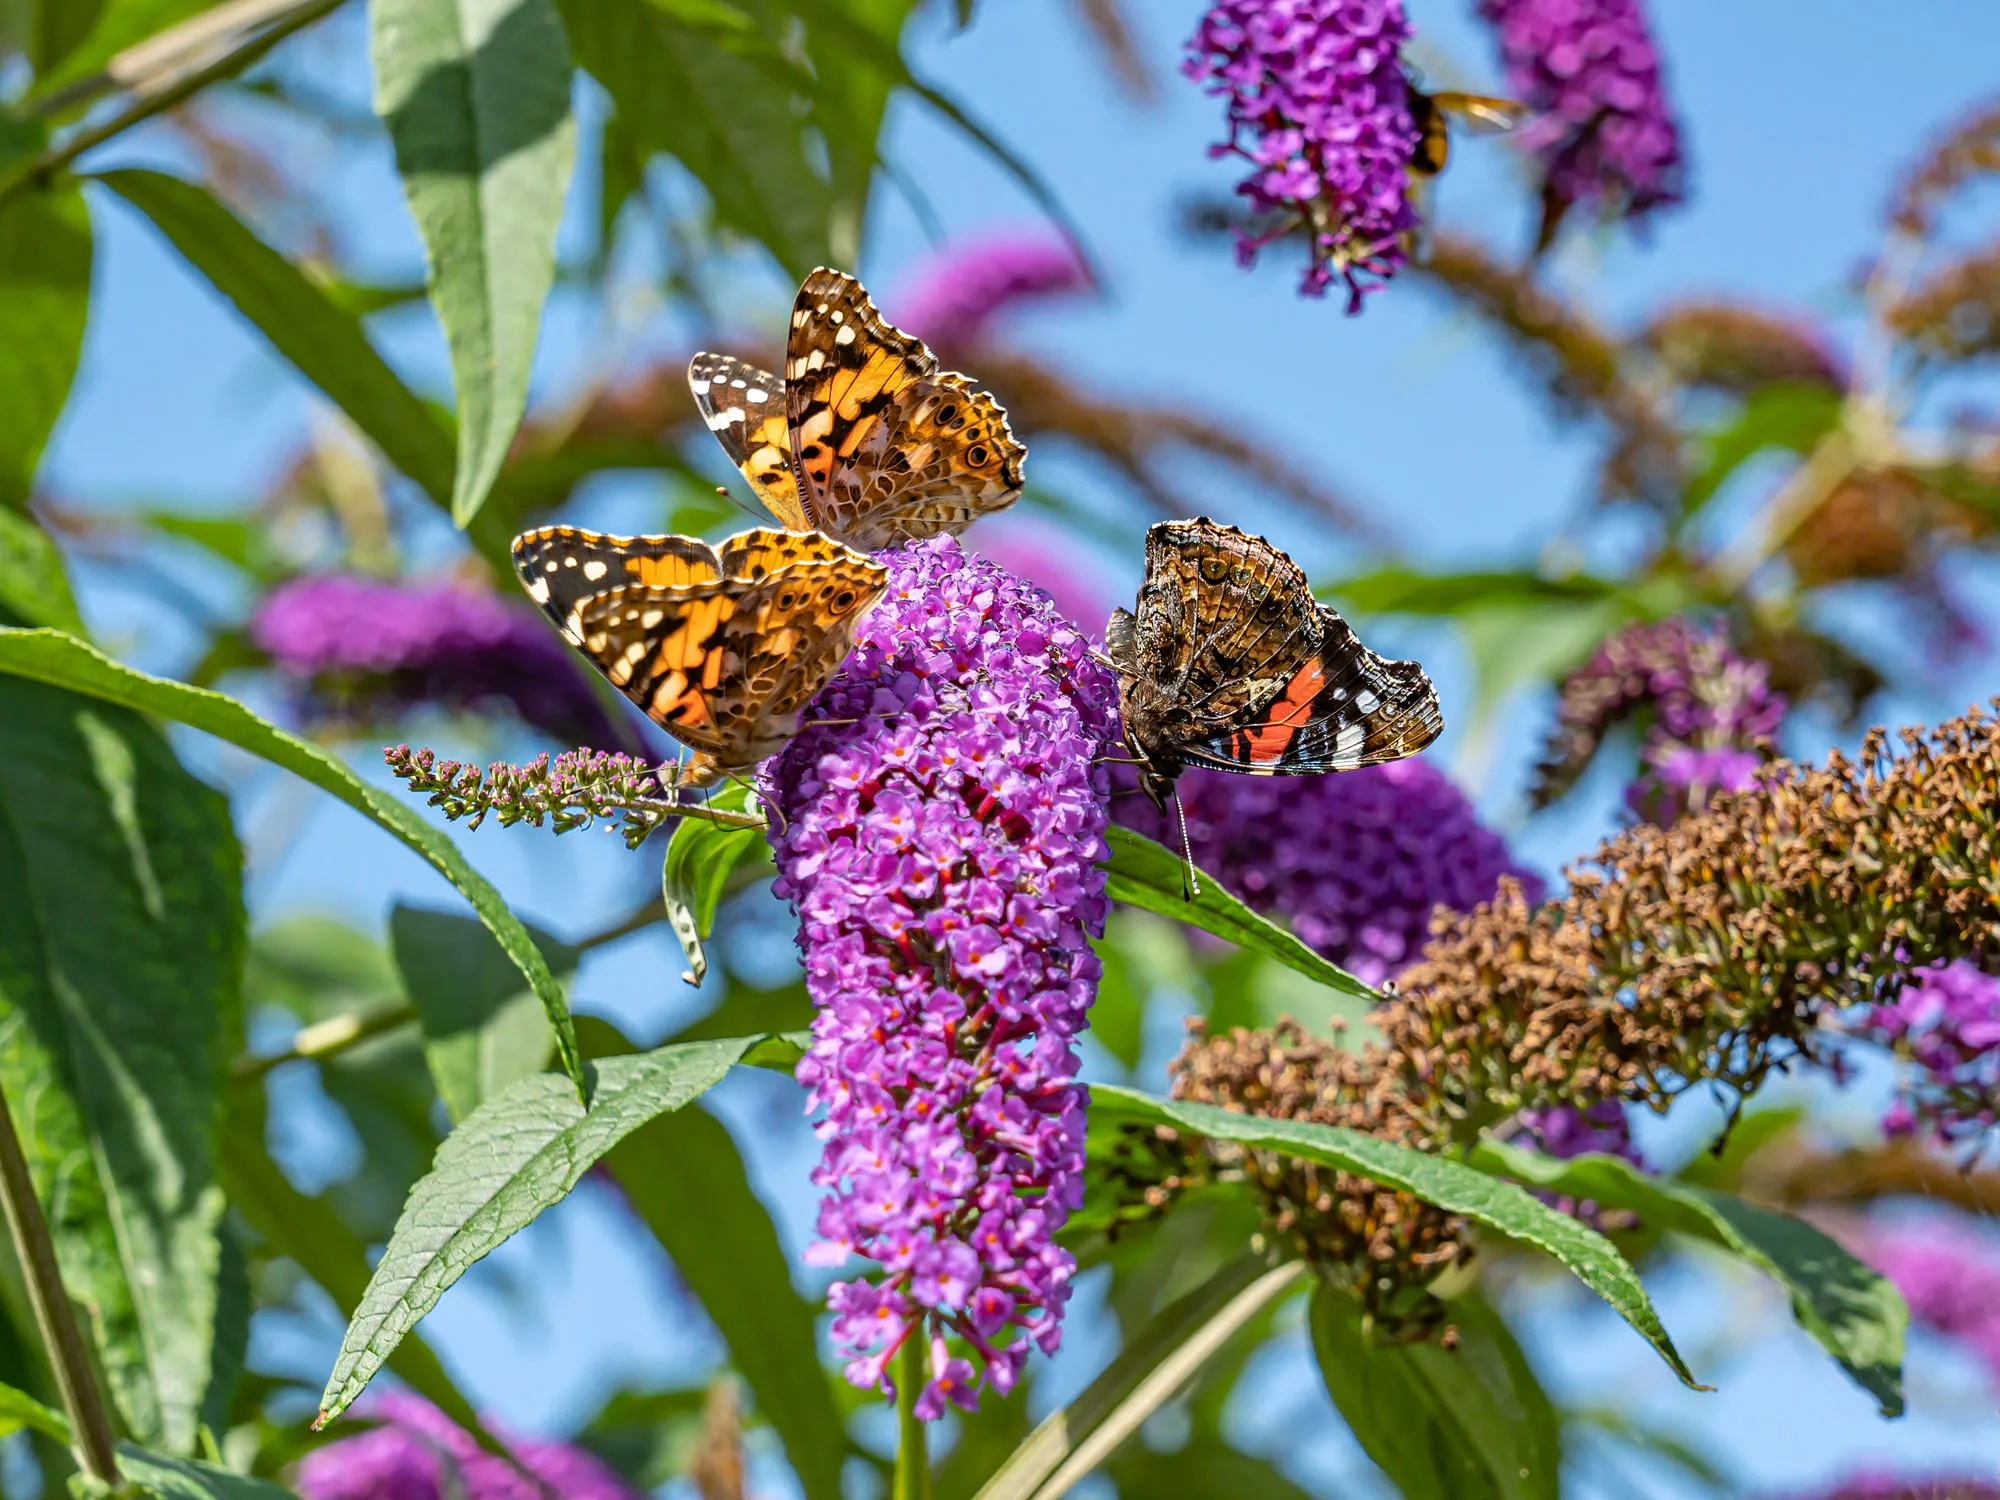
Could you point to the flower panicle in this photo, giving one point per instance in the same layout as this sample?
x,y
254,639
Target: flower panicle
x,y
568,791
1945,1026
942,846
1319,107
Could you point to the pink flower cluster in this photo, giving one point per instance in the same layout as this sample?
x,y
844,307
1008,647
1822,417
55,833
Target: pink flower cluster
x,y
941,834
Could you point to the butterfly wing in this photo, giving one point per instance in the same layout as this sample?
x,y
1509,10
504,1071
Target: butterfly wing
x,y
745,408
1345,707
726,663
562,566
1225,621
887,448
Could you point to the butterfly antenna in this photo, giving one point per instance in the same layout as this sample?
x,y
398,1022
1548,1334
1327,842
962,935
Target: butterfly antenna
x,y
1190,881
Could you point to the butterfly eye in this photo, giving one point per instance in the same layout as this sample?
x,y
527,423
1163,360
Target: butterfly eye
x,y
1213,570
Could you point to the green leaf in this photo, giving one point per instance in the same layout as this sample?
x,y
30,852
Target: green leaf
x,y
311,1233
1466,1422
520,1152
1156,1363
45,253
700,857
34,587
121,955
1148,875
720,98
483,1029
18,1409
683,1177
179,1479
476,97
1448,1184
324,343
1855,1313
100,30
52,657
1406,591
1206,1469
1790,417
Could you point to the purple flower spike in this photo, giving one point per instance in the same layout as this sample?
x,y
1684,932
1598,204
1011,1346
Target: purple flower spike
x,y
418,1453
942,834
1357,862
360,644
1946,1024
1950,1276
1606,135
1320,108
966,288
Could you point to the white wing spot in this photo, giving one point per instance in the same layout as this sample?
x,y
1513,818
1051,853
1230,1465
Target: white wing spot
x,y
1347,744
1366,701
722,420
651,618
838,316
845,336
594,570
736,385
538,590
760,397
550,566
569,562
699,387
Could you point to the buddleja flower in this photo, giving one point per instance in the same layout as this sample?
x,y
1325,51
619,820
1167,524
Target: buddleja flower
x,y
1877,1486
1951,1279
361,647
418,1453
1704,710
1946,1024
940,840
967,287
1605,135
1320,108
1355,862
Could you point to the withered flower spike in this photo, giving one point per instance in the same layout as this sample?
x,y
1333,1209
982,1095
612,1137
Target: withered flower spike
x,y
1968,150
1955,314
569,791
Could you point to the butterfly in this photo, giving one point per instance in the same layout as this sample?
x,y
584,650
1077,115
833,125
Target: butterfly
x,y
721,646
864,438
1229,662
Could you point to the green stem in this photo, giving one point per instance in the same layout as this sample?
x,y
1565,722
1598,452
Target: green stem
x,y
913,1464
38,172
90,1428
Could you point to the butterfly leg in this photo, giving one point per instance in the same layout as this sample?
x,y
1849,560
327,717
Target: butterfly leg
x,y
1190,882
770,802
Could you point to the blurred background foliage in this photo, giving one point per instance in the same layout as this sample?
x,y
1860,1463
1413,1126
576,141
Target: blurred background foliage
x,y
1816,469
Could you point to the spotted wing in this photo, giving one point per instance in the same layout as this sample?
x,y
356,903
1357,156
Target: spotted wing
x,y
561,566
725,665
745,408
1225,621
888,449
1345,707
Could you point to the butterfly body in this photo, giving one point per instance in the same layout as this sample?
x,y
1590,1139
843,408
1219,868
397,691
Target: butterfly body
x,y
864,437
1229,662
722,646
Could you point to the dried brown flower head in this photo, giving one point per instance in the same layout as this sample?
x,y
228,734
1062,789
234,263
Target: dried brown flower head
x,y
1878,523
1383,1245
1730,347
1955,315
1969,150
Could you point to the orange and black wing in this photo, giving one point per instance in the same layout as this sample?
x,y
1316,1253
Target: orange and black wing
x,y
745,408
887,448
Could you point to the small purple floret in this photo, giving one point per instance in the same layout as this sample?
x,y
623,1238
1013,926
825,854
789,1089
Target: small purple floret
x,y
418,1453
361,643
1605,133
1320,108
942,849
1356,861
1946,1023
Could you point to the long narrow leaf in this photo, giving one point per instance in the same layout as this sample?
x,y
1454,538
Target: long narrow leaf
x,y
64,661
44,302
1449,1184
520,1153
476,95
1156,1364
1855,1313
1148,875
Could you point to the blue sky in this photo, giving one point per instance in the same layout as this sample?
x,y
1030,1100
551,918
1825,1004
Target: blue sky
x,y
1798,114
